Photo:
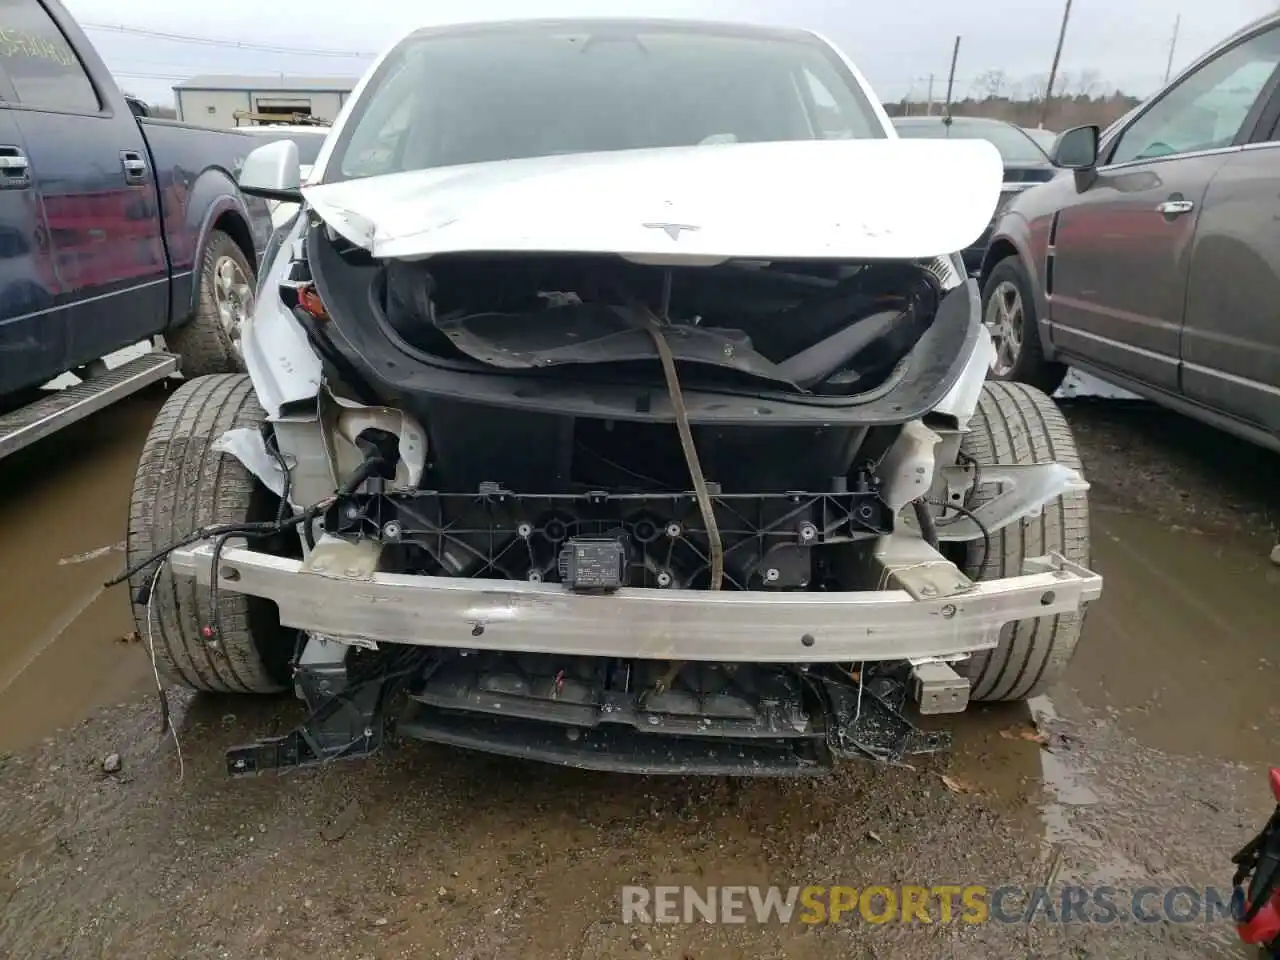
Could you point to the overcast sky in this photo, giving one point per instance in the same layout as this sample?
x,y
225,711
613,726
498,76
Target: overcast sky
x,y
897,43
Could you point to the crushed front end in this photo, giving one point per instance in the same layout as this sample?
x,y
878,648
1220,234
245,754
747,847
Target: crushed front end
x,y
652,517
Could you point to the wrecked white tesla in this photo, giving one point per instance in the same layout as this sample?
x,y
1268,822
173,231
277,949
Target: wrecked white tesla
x,y
616,399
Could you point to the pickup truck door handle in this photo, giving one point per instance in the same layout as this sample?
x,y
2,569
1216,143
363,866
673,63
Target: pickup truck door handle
x,y
135,168
15,169
1175,208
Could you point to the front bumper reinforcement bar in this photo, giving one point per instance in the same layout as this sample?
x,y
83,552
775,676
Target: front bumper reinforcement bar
x,y
684,625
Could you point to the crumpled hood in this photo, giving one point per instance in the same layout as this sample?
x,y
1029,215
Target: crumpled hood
x,y
813,199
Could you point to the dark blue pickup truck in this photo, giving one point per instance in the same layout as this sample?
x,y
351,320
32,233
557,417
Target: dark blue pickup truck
x,y
114,228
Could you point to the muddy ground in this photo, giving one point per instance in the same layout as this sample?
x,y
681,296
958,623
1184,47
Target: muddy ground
x,y
1154,773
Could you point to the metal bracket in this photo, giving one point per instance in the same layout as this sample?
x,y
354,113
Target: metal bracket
x,y
910,564
347,560
1025,489
958,480
939,689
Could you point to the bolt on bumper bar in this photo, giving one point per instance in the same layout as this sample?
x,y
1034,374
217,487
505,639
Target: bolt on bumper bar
x,y
750,626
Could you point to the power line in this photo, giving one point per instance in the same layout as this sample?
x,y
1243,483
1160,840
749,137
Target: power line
x,y
213,42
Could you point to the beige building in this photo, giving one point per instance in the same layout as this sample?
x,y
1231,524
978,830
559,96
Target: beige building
x,y
222,100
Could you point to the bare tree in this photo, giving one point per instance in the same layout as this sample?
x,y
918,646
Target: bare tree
x,y
1088,83
992,84
1034,87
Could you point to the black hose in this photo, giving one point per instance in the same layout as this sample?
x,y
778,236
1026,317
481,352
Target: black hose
x,y
273,448
924,517
215,621
204,533
986,534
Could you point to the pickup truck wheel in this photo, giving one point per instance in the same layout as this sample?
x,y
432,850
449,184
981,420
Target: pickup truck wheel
x,y
1009,313
210,341
181,485
1014,424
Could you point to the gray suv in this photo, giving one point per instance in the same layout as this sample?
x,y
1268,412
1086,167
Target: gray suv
x,y
1154,260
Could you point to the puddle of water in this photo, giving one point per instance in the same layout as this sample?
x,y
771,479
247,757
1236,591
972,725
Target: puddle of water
x,y
63,506
1183,648
1064,787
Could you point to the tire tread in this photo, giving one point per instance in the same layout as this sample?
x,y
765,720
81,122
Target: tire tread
x,y
1016,423
180,486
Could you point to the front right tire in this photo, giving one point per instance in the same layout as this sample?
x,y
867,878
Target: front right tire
x,y
181,485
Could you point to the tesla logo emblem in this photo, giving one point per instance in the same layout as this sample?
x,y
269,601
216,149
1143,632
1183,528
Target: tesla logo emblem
x,y
672,230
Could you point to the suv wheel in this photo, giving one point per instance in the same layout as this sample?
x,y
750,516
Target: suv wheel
x,y
1009,314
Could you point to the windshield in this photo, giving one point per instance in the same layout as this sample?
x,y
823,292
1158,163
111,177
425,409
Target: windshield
x,y
533,90
1014,145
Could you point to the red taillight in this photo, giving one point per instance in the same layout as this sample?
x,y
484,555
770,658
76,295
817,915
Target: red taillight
x,y
1275,783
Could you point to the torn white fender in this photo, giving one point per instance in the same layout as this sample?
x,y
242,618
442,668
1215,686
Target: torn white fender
x,y
962,399
281,362
1025,490
318,446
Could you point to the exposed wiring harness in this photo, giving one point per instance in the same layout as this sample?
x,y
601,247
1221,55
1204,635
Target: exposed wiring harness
x,y
380,450
965,511
248,528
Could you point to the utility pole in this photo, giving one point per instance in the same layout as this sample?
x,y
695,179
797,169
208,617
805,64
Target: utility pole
x,y
1053,70
951,77
928,110
1173,44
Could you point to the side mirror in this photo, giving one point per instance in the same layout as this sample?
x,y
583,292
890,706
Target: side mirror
x,y
272,172
1077,148
137,107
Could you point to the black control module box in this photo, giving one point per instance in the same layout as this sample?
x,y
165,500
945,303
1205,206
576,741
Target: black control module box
x,y
593,564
